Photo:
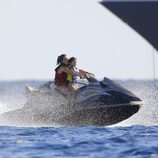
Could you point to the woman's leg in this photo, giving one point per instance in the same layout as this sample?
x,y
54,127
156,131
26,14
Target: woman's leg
x,y
63,90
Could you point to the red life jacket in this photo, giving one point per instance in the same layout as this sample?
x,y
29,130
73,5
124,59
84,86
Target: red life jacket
x,y
60,79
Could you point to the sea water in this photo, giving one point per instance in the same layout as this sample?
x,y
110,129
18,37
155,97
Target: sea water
x,y
135,137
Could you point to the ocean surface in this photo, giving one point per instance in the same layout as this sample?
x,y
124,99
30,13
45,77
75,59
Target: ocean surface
x,y
136,137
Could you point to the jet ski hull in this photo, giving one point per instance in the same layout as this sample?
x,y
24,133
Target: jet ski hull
x,y
95,116
96,104
99,116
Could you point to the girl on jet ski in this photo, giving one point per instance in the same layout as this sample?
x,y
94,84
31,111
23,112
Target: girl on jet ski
x,y
71,78
61,73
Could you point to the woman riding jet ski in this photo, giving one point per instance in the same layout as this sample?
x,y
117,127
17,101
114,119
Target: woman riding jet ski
x,y
99,103
66,75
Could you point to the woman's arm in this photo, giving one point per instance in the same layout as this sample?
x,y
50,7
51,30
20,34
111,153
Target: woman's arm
x,y
69,71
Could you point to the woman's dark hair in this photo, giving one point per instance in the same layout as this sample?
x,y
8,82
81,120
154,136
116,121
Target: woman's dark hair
x,y
71,60
60,59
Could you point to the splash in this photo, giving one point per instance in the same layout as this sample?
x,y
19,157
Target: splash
x,y
13,98
4,108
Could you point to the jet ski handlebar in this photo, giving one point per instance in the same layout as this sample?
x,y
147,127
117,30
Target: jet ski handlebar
x,y
91,78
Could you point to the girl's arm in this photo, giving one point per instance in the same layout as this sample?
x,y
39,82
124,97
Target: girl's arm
x,y
84,72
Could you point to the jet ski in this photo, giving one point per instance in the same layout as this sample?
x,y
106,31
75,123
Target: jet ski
x,y
97,103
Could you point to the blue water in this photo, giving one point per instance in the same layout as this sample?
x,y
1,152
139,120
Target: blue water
x,y
133,141
136,137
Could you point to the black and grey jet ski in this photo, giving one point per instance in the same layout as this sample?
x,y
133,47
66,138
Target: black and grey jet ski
x,y
98,103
